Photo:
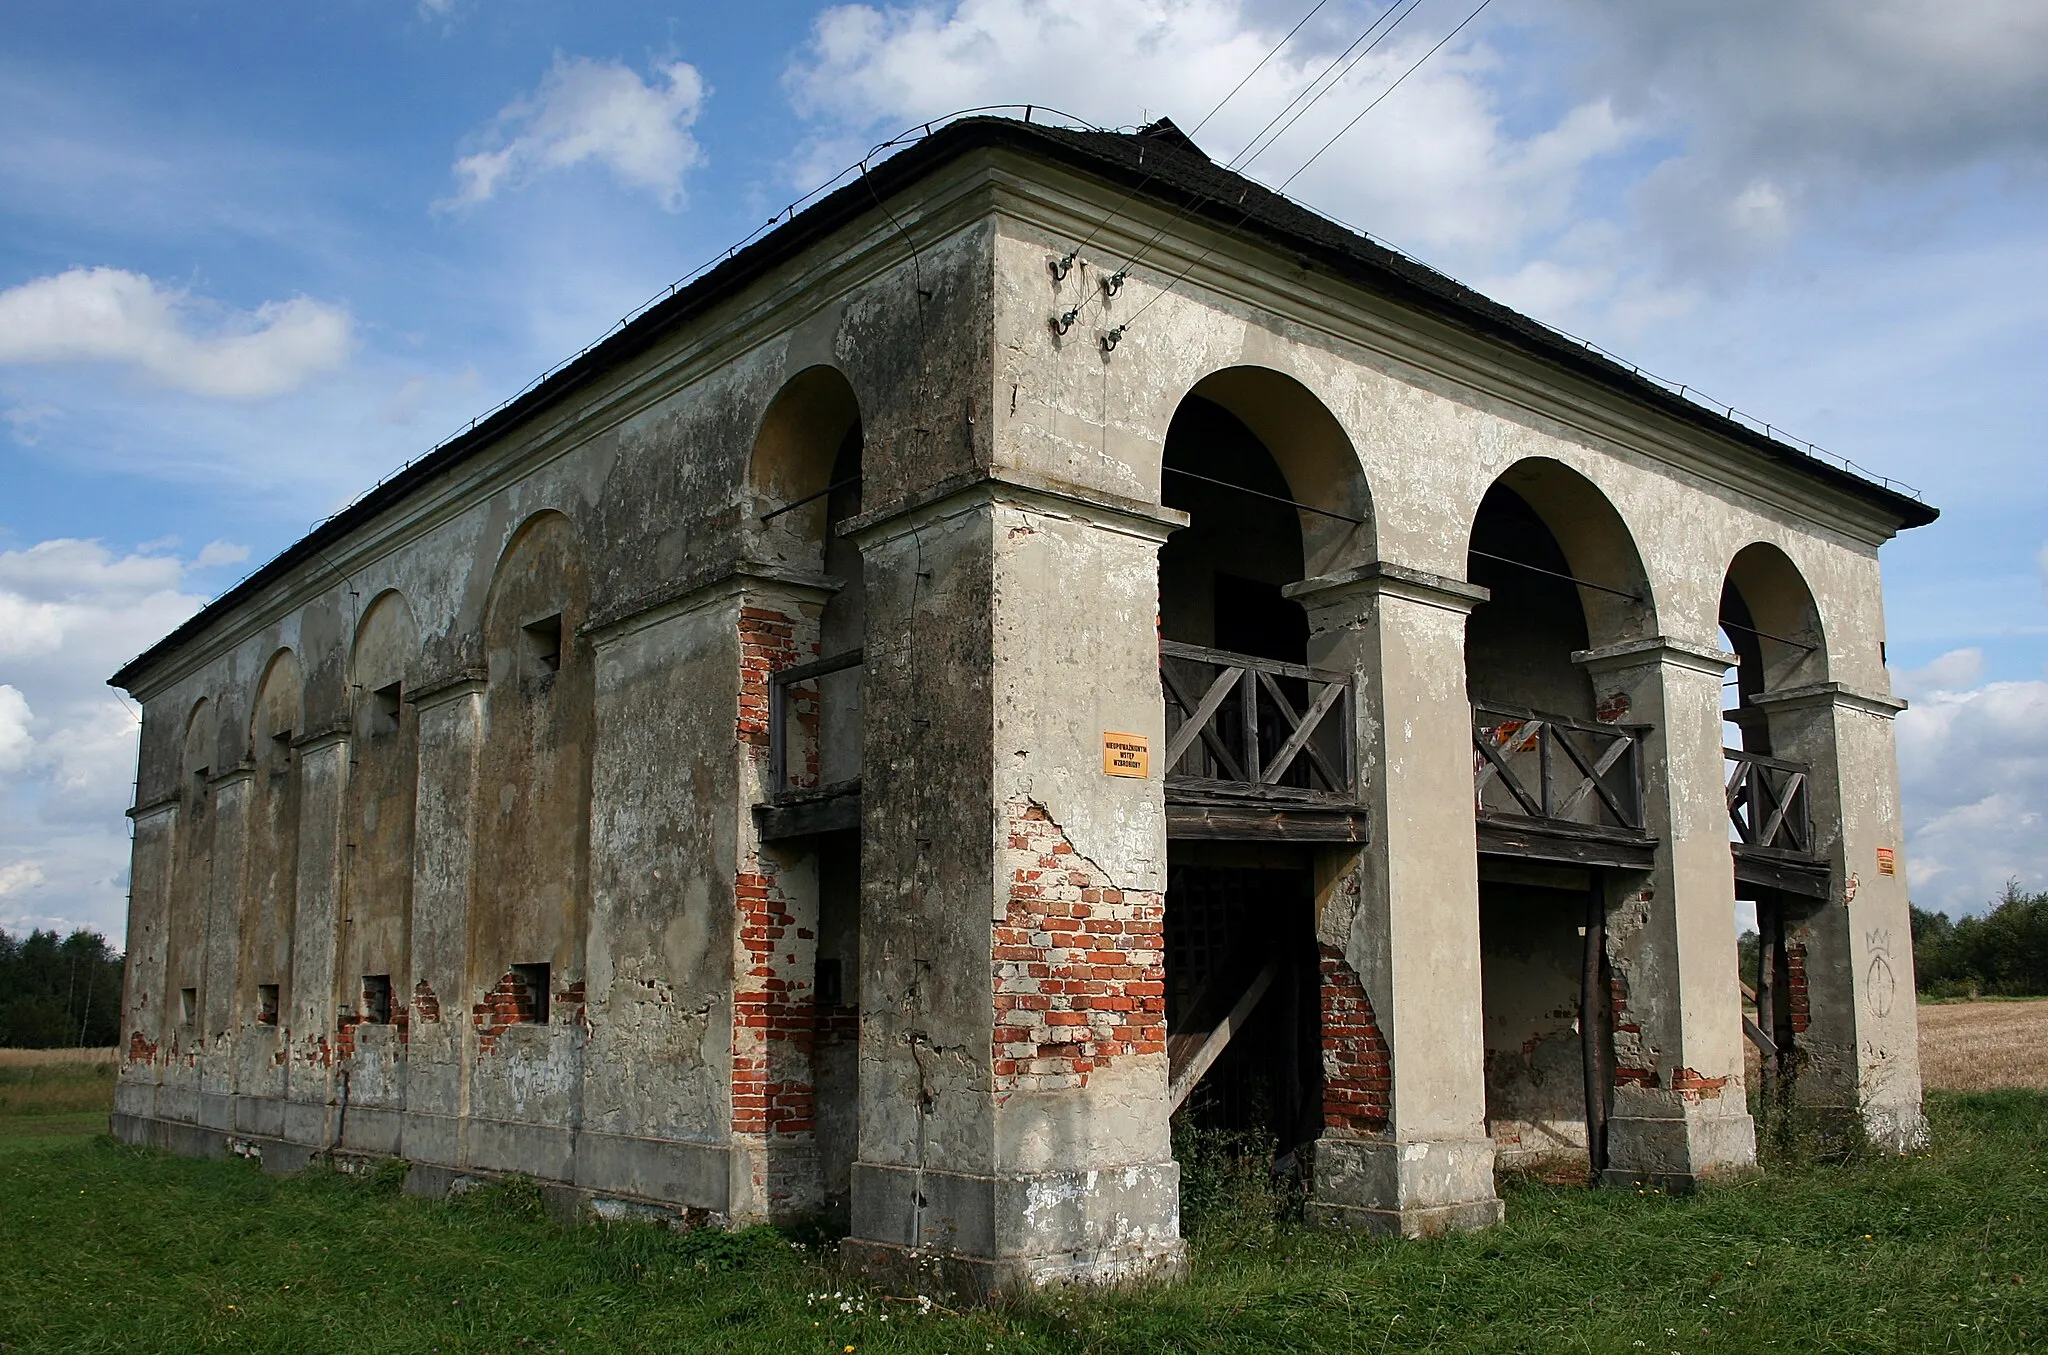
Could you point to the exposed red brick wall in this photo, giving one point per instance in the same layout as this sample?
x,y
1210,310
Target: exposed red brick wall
x,y
768,644
773,1018
1630,1058
1694,1086
1078,966
141,1050
425,1002
345,1035
1358,1082
507,1005
1796,1003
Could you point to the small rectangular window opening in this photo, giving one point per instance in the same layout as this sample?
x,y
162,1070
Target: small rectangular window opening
x,y
377,999
266,1004
533,1003
188,1005
544,642
388,703
831,990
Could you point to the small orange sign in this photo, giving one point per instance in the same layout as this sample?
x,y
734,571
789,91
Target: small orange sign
x,y
1126,754
1887,863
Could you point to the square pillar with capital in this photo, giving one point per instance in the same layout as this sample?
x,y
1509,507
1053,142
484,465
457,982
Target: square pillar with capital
x,y
1013,1069
1404,1147
1680,1113
1857,1051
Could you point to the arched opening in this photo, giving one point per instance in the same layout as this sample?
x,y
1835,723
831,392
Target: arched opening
x,y
1769,620
1274,495
1557,791
185,998
806,471
375,959
806,474
275,724
527,923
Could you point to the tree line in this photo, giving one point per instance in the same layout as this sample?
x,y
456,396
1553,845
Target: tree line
x,y
2002,954
57,994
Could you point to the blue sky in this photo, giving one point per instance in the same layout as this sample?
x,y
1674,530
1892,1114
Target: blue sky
x,y
253,257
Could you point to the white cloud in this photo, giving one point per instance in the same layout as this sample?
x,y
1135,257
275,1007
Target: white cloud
x,y
1974,768
1436,166
1780,110
19,876
1951,672
15,740
599,112
109,315
70,613
216,553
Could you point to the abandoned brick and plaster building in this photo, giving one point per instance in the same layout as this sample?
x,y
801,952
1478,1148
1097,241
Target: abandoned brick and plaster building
x,y
908,712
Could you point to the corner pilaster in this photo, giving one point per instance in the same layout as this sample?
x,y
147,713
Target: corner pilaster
x,y
1860,1051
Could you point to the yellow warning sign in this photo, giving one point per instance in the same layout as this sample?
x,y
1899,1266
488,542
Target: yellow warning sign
x,y
1887,863
1126,754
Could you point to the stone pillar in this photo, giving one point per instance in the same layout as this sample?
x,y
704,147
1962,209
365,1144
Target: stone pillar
x,y
669,810
153,855
1013,1119
450,713
221,985
1404,1147
1680,1113
1860,1050
316,922
773,1165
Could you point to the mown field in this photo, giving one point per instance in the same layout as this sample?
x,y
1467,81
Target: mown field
x,y
105,1248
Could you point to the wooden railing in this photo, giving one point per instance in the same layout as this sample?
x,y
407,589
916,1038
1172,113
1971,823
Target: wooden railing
x,y
1240,727
1534,765
826,730
1767,802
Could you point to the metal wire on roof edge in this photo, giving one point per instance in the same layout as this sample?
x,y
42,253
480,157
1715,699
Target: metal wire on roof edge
x,y
1683,390
910,135
919,131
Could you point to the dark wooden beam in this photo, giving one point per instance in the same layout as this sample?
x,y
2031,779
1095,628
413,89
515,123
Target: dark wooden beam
x,y
802,818
1509,835
1264,823
1763,869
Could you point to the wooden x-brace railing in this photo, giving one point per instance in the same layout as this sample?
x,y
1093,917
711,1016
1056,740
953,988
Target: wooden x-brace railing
x,y
1502,735
1246,692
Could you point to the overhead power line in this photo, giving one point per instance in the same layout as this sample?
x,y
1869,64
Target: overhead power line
x,y
1199,259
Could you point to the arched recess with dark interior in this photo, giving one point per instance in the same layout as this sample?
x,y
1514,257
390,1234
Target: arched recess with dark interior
x,y
806,472
373,976
1770,622
1558,794
1256,739
271,908
191,885
531,902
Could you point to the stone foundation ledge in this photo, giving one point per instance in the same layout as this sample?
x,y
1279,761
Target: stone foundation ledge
x,y
978,1279
565,1201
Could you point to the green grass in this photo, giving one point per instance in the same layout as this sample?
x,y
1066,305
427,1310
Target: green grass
x,y
54,1100
106,1248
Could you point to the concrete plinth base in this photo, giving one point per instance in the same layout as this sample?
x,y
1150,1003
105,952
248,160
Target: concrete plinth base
x,y
1899,1128
1406,1189
980,1237
1675,1147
